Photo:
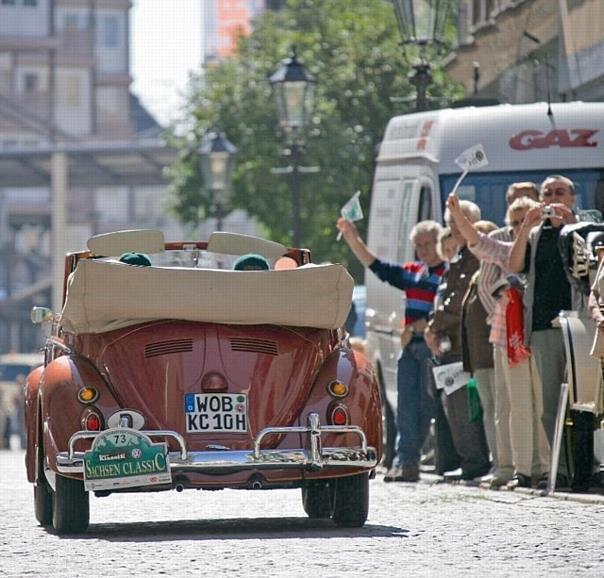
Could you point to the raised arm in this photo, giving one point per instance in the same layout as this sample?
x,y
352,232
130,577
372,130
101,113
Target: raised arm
x,y
356,244
466,228
518,253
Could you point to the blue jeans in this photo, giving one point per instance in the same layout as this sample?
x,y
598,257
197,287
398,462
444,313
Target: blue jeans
x,y
415,407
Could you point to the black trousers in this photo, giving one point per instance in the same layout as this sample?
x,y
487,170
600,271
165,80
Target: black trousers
x,y
468,437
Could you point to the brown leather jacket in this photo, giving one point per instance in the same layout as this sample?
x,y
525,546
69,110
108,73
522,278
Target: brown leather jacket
x,y
447,318
477,352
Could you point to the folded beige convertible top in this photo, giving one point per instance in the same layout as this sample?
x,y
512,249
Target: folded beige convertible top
x,y
103,296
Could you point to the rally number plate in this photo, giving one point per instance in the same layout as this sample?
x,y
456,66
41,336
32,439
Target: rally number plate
x,y
216,412
125,458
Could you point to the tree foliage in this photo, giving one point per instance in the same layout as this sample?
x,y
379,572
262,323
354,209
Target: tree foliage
x,y
352,48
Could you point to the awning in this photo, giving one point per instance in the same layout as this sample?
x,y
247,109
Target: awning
x,y
97,164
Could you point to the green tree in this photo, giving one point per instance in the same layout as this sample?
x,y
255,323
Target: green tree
x,y
353,50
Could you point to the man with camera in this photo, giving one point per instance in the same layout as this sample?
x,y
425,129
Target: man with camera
x,y
536,252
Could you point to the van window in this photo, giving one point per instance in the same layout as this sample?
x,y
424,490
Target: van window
x,y
404,252
382,228
487,190
425,203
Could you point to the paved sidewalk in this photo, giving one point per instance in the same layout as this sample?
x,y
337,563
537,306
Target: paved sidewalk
x,y
594,496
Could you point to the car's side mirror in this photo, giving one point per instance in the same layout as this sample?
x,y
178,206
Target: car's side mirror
x,y
41,315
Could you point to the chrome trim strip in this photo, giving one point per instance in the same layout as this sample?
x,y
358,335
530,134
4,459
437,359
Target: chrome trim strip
x,y
222,461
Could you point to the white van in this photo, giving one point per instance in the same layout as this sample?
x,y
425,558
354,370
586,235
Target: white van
x,y
416,170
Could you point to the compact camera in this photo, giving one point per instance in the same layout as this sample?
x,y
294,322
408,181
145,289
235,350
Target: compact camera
x,y
548,212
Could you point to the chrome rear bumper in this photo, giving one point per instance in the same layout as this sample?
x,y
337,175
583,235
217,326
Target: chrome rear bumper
x,y
314,458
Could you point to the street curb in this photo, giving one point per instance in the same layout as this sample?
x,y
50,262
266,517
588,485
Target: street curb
x,y
565,496
429,479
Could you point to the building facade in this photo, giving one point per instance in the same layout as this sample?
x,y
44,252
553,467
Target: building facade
x,y
225,20
65,82
520,51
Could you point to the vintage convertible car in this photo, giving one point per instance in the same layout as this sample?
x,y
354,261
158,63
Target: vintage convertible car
x,y
188,374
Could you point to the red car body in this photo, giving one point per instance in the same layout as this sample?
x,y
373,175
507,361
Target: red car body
x,y
294,406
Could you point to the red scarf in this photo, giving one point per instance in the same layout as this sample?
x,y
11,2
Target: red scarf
x,y
514,321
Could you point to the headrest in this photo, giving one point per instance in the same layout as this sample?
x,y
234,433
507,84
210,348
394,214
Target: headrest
x,y
237,244
132,241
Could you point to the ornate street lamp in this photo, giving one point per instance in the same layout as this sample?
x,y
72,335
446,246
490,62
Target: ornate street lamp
x,y
216,161
293,92
422,23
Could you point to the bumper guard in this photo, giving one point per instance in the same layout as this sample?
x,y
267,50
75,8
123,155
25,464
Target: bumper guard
x,y
217,461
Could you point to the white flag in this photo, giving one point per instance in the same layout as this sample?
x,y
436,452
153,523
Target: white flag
x,y
472,158
352,210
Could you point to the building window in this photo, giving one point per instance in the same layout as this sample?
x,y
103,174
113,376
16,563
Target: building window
x,y
9,2
110,31
73,91
481,11
32,3
73,21
31,82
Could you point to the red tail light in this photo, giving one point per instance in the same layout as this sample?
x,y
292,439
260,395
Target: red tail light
x,y
339,415
92,422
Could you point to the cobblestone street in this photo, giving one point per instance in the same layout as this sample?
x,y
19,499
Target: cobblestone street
x,y
423,529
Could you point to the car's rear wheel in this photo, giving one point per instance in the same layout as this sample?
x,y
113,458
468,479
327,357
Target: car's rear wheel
x,y
318,498
42,495
71,509
351,504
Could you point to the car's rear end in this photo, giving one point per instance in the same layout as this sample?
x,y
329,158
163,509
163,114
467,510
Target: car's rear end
x,y
205,386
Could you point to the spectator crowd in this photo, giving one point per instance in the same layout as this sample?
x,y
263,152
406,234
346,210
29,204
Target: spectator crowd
x,y
481,352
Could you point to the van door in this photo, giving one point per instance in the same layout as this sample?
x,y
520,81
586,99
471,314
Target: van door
x,y
394,212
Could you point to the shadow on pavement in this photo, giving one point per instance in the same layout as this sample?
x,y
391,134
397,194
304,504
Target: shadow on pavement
x,y
235,528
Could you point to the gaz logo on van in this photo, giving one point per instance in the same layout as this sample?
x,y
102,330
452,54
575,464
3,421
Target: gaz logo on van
x,y
216,412
536,139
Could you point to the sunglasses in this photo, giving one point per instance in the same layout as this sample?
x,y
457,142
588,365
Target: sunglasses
x,y
515,223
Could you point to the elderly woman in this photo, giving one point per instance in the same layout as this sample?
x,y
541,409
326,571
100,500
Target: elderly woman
x,y
517,390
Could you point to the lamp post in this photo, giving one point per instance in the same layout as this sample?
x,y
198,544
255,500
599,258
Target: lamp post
x,y
421,22
293,92
216,161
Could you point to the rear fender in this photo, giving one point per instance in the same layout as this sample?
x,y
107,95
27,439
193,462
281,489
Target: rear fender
x,y
362,401
62,412
32,420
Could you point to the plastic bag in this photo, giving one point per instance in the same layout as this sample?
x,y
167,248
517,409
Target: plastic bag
x,y
474,405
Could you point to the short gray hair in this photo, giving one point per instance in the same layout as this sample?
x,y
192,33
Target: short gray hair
x,y
517,205
469,209
424,227
553,179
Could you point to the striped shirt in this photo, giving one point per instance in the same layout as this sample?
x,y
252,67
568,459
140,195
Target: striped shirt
x,y
419,282
493,253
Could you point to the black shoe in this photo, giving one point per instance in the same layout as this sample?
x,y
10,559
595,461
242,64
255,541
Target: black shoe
x,y
561,481
580,485
519,481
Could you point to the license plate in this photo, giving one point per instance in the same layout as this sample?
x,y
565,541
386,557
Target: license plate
x,y
216,412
